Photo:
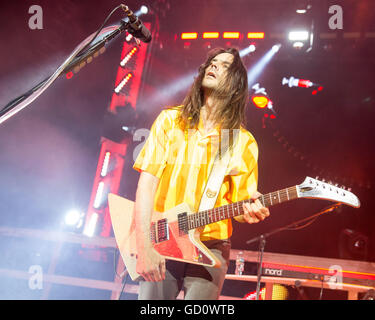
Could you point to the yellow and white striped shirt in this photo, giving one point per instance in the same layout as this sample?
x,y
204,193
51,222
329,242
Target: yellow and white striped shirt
x,y
182,160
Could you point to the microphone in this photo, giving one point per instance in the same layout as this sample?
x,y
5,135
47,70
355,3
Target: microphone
x,y
136,27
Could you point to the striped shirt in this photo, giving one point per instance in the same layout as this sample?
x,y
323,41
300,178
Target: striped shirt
x,y
182,160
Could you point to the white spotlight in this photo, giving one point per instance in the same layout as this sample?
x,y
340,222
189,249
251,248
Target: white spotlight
x,y
252,48
257,69
298,35
276,48
247,50
144,10
73,218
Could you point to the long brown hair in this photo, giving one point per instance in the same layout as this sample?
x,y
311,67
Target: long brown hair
x,y
232,95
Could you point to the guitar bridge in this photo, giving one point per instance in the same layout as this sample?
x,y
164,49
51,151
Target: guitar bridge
x,y
162,230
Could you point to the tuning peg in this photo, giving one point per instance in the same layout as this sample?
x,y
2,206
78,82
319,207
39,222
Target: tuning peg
x,y
349,189
317,177
343,187
323,180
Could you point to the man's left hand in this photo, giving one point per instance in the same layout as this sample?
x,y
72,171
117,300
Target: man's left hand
x,y
255,212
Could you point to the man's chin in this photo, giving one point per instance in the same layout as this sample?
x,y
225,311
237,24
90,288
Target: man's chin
x,y
207,85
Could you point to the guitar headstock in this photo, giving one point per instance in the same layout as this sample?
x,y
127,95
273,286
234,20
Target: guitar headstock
x,y
316,189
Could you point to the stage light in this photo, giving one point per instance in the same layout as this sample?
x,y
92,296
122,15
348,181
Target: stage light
x,y
247,50
144,10
69,75
257,69
276,48
189,35
128,57
255,35
99,195
91,226
105,165
123,82
210,35
260,101
129,37
298,44
301,11
295,82
74,218
301,35
231,35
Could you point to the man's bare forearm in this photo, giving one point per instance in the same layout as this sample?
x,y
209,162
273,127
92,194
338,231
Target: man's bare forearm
x,y
144,206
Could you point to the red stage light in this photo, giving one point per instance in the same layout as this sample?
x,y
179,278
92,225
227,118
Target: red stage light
x,y
304,83
189,35
255,35
210,35
69,75
231,35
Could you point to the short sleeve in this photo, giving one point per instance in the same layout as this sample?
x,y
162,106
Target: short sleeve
x,y
153,155
244,177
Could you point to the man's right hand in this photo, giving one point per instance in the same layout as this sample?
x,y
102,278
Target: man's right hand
x,y
151,265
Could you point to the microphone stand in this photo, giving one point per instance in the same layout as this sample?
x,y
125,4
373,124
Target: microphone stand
x,y
295,224
262,244
74,59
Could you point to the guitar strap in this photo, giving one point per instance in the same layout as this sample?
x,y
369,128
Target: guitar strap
x,y
218,170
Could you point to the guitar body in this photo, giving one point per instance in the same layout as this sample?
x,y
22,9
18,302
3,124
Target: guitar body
x,y
175,234
180,247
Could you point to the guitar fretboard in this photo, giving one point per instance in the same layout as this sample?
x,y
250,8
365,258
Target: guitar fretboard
x,y
231,210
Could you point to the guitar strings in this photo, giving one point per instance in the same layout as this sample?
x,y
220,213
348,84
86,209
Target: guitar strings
x,y
201,218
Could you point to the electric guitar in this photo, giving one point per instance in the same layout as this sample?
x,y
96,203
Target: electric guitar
x,y
175,234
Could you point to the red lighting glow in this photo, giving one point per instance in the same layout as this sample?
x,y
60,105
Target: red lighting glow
x,y
69,75
210,35
255,35
304,83
189,35
231,35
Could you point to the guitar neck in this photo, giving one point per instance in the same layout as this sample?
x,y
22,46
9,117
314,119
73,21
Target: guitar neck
x,y
231,210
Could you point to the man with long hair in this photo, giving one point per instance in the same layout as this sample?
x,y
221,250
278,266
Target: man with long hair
x,y
175,163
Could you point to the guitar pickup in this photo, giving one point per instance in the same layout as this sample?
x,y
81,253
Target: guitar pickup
x,y
183,223
162,230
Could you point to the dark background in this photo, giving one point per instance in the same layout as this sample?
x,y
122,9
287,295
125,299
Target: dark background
x,y
49,151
